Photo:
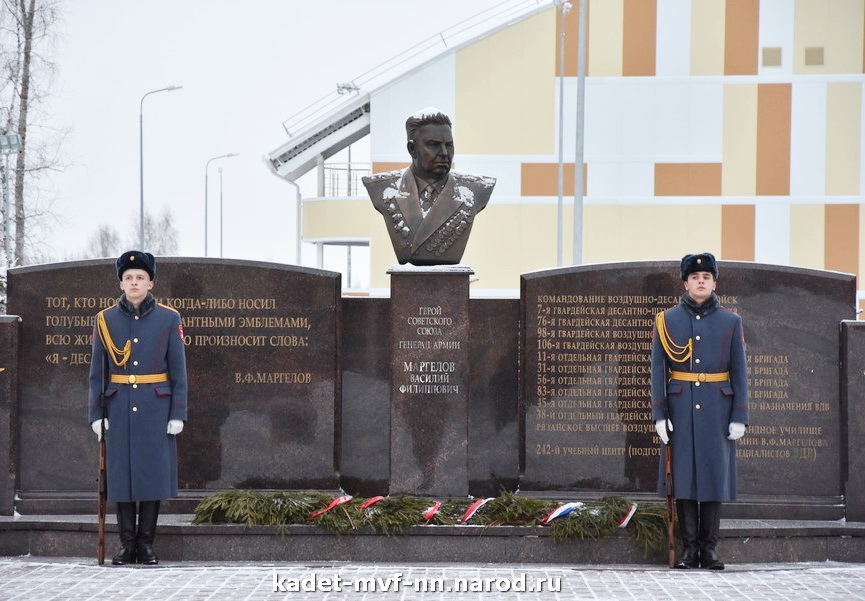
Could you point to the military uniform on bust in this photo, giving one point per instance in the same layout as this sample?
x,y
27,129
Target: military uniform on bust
x,y
700,406
428,209
139,363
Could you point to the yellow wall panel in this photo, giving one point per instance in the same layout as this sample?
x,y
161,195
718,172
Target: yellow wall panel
x,y
507,75
843,133
807,235
510,239
707,37
774,109
657,232
836,27
739,167
606,40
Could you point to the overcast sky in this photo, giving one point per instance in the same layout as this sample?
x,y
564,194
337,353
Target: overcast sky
x,y
245,67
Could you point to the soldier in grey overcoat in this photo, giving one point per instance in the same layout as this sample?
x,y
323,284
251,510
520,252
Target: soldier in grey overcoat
x,y
700,405
138,387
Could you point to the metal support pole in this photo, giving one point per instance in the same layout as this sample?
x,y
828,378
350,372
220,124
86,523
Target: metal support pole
x,y
563,13
220,212
579,157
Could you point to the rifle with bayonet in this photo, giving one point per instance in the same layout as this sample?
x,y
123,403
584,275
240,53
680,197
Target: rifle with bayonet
x,y
671,505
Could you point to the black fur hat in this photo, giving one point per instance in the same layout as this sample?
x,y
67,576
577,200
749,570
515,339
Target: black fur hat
x,y
701,262
135,259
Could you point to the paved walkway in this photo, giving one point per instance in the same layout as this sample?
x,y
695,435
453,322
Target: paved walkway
x,y
41,579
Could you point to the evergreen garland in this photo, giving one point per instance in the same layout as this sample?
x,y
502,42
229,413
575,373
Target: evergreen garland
x,y
393,515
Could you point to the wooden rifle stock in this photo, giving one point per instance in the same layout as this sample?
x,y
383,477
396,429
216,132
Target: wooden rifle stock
x,y
102,499
671,506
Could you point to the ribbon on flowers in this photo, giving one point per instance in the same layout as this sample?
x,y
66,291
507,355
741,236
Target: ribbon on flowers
x,y
335,503
369,503
623,523
560,511
473,508
432,510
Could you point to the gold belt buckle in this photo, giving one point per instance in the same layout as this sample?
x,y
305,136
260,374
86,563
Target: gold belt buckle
x,y
132,378
701,377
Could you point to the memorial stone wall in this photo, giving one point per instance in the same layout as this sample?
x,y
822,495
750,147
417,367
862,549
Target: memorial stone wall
x,y
261,364
586,385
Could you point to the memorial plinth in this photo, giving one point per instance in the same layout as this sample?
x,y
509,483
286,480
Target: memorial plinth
x,y
429,362
9,332
586,345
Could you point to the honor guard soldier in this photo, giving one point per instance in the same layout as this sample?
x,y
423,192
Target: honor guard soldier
x,y
138,387
700,406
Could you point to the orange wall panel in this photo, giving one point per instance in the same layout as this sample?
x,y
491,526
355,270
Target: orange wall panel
x,y
737,232
773,139
741,37
687,179
639,37
382,167
842,238
542,179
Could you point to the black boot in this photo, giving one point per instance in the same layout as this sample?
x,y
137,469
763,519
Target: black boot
x,y
126,526
687,512
710,525
148,513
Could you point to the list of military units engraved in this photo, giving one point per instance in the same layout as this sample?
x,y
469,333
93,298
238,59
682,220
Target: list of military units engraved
x,y
592,374
586,386
231,323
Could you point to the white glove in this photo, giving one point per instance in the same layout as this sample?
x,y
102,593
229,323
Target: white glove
x,y
661,427
737,430
175,426
97,427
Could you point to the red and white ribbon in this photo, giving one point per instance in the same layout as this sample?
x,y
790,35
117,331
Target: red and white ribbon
x,y
432,510
370,503
560,511
628,515
335,503
473,508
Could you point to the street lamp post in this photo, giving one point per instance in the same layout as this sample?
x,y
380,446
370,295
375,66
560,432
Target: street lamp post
x,y
565,8
9,144
141,157
206,167
220,212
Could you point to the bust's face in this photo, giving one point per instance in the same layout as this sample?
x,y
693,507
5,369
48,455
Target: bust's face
x,y
432,151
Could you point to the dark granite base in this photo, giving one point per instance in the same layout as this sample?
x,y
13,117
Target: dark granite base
x,y
742,541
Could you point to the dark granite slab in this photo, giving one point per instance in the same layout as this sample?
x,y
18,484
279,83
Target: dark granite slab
x,y
586,349
853,415
493,396
9,333
262,358
429,363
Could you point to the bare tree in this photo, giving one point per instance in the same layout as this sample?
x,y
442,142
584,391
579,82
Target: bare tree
x,y
160,237
105,243
27,30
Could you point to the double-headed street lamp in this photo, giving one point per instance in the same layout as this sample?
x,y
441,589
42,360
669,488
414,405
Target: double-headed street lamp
x,y
141,155
206,166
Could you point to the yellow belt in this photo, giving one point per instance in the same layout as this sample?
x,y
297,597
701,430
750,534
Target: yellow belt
x,y
701,377
138,378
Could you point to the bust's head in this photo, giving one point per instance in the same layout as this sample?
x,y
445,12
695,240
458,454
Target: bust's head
x,y
430,143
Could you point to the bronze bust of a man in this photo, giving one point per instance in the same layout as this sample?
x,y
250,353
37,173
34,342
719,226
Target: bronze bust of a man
x,y
428,208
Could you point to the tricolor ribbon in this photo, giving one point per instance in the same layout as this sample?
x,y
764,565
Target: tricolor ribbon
x,y
561,510
369,503
432,510
623,523
473,508
336,502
